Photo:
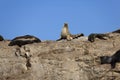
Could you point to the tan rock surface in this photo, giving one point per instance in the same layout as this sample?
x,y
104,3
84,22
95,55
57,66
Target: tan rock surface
x,y
63,60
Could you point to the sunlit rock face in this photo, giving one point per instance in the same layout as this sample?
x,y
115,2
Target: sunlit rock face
x,y
78,59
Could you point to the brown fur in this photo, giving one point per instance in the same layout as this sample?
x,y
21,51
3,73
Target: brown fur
x,y
65,33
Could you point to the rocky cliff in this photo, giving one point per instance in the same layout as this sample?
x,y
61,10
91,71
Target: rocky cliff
x,y
60,60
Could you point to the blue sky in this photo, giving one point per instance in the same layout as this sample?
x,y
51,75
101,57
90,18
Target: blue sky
x,y
45,18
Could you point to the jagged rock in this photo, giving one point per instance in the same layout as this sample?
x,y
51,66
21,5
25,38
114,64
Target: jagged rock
x,y
77,59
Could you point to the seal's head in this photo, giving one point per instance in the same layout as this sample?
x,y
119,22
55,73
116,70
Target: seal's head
x,y
66,25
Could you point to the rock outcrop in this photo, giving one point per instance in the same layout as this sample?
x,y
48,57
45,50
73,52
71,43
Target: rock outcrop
x,y
77,59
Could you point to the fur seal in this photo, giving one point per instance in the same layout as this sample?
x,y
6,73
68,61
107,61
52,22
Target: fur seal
x,y
65,33
116,31
23,40
111,59
92,36
1,38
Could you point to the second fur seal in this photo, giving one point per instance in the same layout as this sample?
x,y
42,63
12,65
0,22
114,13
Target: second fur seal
x,y
92,36
65,33
23,40
1,38
116,31
111,59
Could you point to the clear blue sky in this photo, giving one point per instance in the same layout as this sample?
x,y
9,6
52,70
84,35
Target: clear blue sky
x,y
45,18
